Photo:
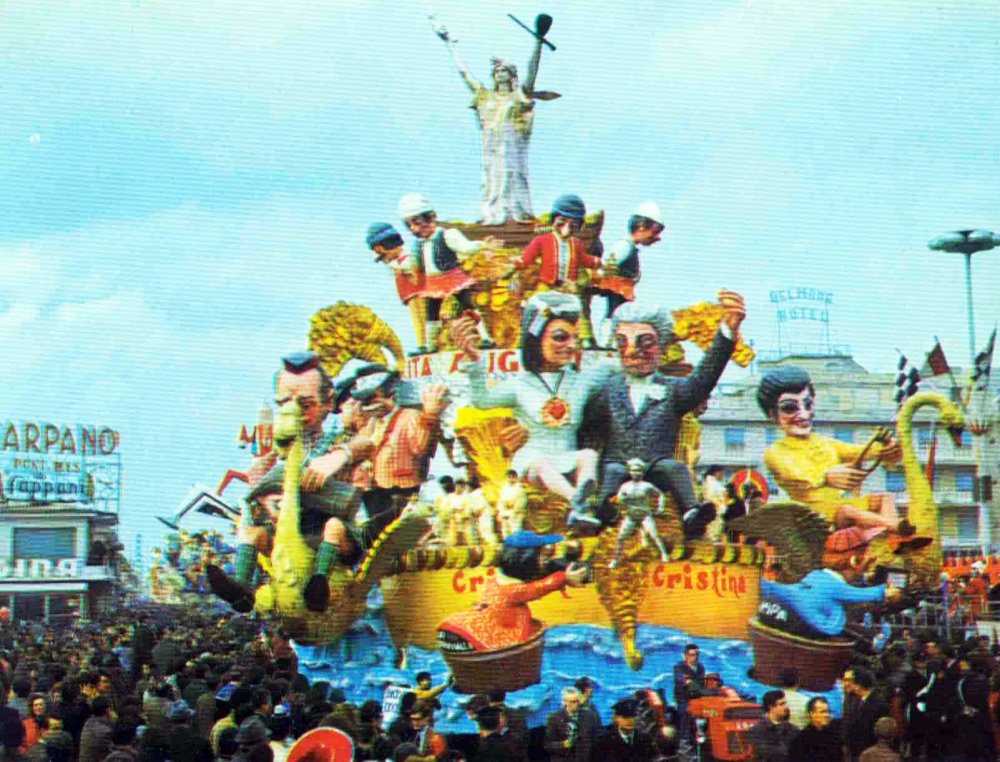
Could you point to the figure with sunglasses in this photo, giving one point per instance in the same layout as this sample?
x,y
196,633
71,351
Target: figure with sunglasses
x,y
637,413
437,258
548,398
328,505
816,470
620,271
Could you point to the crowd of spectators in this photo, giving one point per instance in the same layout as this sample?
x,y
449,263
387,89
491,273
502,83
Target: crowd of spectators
x,y
197,688
919,699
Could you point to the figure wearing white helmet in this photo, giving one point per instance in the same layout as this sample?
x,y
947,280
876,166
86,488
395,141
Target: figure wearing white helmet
x,y
438,254
621,269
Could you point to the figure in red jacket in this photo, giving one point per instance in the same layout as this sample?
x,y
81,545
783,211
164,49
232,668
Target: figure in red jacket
x,y
562,253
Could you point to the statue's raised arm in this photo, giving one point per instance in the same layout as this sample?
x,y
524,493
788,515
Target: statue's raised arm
x,y
505,113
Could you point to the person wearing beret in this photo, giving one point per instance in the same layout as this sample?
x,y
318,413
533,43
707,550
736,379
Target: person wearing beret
x,y
622,741
403,439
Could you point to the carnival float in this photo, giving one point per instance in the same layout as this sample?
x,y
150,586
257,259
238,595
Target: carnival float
x,y
572,443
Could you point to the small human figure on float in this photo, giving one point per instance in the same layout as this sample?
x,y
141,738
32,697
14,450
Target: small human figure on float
x,y
548,398
387,247
437,255
634,500
512,504
403,439
563,257
619,274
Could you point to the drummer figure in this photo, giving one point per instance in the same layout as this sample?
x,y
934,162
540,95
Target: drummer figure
x,y
620,273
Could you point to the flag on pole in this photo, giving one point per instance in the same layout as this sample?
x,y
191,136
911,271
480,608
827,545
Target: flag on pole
x,y
937,362
931,457
984,361
907,380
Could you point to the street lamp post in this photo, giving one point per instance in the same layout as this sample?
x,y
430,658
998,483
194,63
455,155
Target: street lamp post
x,y
967,243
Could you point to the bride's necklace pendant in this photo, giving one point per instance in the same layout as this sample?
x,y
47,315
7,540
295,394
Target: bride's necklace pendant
x,y
555,412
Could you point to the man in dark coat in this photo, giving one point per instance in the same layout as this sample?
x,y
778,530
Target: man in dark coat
x,y
621,741
95,739
859,725
568,732
494,744
820,740
638,412
771,737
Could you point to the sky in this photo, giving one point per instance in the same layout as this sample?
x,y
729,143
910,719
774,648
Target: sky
x,y
183,184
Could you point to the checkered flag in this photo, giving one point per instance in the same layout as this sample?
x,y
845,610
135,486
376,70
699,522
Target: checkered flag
x,y
907,380
984,360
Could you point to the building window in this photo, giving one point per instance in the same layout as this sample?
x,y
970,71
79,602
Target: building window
x,y
895,481
924,437
968,527
964,482
966,439
844,435
734,439
52,544
29,607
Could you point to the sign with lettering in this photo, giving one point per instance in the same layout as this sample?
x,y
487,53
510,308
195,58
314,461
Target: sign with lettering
x,y
40,568
802,303
49,463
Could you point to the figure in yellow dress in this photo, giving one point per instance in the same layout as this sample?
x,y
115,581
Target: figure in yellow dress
x,y
819,471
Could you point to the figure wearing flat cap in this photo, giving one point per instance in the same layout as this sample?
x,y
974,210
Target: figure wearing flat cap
x,y
403,442
328,505
438,255
386,245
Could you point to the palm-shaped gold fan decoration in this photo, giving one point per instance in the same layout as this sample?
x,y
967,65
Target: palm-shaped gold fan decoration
x,y
796,533
345,331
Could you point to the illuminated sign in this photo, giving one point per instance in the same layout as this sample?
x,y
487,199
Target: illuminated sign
x,y
49,463
40,568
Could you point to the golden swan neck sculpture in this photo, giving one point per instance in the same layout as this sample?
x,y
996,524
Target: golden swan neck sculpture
x,y
925,564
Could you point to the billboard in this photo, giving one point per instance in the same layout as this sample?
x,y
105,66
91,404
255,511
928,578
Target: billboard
x,y
44,462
